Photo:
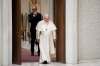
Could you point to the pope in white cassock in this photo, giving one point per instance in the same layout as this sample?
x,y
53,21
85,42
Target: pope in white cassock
x,y
46,35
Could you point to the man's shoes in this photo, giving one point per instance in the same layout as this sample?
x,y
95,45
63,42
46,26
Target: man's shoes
x,y
32,54
38,54
45,62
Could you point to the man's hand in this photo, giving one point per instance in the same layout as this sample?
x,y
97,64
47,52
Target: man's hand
x,y
38,40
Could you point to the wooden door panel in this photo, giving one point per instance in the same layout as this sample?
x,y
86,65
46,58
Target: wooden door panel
x,y
59,16
16,38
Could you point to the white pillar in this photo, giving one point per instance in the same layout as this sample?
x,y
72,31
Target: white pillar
x,y
71,32
5,32
6,35
0,33
10,31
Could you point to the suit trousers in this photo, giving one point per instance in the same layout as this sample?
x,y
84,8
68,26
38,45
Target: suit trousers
x,y
33,38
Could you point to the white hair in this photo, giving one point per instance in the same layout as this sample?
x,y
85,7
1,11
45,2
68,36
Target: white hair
x,y
46,15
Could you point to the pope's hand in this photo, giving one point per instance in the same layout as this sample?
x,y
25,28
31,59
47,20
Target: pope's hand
x,y
54,42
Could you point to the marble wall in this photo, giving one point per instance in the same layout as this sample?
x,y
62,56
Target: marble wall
x,y
89,29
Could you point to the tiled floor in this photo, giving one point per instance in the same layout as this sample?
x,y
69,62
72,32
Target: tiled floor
x,y
26,45
26,53
59,64
26,56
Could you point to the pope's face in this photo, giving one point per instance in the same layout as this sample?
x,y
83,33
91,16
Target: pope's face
x,y
46,18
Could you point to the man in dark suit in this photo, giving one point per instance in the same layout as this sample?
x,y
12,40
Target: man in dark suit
x,y
34,18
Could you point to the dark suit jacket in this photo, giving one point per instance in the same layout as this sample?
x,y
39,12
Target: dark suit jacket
x,y
34,20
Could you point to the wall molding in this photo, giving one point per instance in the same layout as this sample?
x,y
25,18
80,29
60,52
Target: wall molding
x,y
89,61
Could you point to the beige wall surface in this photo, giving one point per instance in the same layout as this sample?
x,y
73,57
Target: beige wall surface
x,y
89,29
44,7
0,33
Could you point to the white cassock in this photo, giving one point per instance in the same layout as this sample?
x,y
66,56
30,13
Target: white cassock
x,y
46,33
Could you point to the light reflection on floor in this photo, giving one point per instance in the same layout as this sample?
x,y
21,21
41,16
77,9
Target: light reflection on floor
x,y
58,64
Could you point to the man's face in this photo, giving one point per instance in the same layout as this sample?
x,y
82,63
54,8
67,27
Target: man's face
x,y
46,18
34,9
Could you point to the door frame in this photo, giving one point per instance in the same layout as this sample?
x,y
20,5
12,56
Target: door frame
x,y
16,32
16,57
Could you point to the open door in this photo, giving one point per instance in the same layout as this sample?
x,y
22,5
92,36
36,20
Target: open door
x,y
59,17
16,44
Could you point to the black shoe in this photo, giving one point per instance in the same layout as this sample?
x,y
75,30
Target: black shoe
x,y
32,54
39,54
45,62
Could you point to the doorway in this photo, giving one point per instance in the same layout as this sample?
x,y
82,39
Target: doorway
x,y
59,19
